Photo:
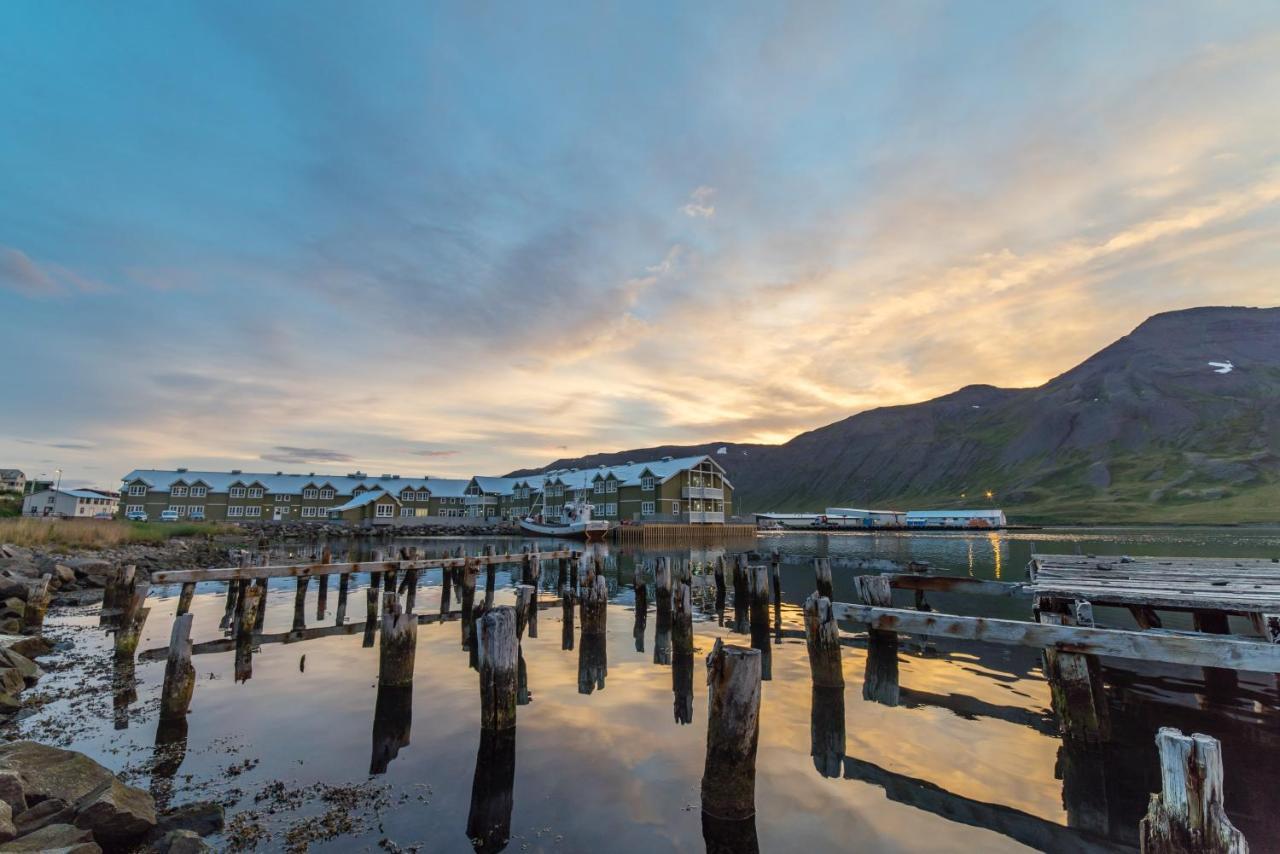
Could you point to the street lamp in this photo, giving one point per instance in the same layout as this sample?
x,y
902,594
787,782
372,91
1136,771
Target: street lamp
x,y
58,488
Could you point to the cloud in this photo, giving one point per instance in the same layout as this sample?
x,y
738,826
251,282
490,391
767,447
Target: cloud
x,y
63,444
287,454
19,273
434,453
699,204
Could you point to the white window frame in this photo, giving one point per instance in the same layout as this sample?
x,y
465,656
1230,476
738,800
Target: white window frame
x,y
598,487
646,508
134,508
326,494
408,495
309,512
178,492
180,509
379,508
407,511
611,486
611,509
311,492
236,492
424,495
138,489
253,510
646,483
199,491
283,499
675,508
255,492
235,510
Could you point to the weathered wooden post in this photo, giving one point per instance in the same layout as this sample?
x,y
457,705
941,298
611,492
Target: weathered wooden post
x,y
733,730
1075,679
131,622
563,580
300,603
470,570
37,604
526,601
682,652
566,630
179,672
593,662
497,646
642,607
446,589
741,595
721,588
775,574
826,716
398,645
233,589
822,574
595,606
253,601
880,680
344,585
185,596
491,576
662,586
1187,814
760,619
322,588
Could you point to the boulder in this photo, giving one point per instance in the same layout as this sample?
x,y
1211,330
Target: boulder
x,y
13,588
202,818
13,607
50,772
10,626
52,811
18,552
29,645
9,704
59,838
11,791
118,812
90,566
11,681
7,830
182,842
64,574
28,669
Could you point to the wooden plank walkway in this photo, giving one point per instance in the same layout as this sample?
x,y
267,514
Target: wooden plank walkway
x,y
305,570
1228,585
1192,648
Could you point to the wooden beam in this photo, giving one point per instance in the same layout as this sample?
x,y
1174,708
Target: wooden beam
x,y
233,573
1172,647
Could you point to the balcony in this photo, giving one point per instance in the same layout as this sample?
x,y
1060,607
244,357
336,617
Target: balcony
x,y
705,516
702,492
478,500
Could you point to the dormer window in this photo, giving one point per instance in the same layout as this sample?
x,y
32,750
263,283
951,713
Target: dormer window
x,y
199,491
646,483
611,486
255,492
326,494
598,487
424,495
237,492
137,489
311,492
178,492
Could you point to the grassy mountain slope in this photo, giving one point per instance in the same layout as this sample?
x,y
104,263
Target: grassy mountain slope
x,y
1144,430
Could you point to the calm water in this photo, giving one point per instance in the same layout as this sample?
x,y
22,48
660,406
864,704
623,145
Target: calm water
x,y
968,758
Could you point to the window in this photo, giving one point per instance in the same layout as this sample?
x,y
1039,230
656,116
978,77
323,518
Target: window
x,y
178,492
255,492
611,510
237,492
255,510
675,507
406,511
326,494
133,508
384,511
138,489
199,491
646,483
611,486
283,499
424,495
235,510
310,492
646,508
196,511
309,512
180,509
599,487
408,495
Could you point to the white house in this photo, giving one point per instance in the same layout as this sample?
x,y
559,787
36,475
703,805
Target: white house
x,y
71,503
992,518
12,479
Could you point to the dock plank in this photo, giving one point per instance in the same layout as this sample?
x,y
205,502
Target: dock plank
x,y
303,570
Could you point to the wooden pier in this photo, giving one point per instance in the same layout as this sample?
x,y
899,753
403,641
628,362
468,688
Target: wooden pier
x,y
671,534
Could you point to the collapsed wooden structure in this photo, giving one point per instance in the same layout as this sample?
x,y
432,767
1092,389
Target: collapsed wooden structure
x,y
1186,815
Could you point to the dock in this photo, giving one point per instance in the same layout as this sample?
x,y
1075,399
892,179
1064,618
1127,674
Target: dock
x,y
671,534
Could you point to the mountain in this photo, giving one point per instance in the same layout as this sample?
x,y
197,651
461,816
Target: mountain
x,y
1179,421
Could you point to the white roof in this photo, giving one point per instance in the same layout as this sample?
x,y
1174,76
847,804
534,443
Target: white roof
x,y
947,514
362,499
291,484
853,511
629,473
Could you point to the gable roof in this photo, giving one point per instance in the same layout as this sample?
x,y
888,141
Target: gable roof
x,y
364,498
629,474
159,480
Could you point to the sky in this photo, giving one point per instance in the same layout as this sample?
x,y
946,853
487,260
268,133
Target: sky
x,y
467,237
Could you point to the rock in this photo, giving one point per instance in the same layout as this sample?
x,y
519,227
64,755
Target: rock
x,y
90,566
11,681
13,607
59,838
119,812
9,704
64,574
203,818
32,646
7,829
50,772
182,842
10,626
11,791
52,811
28,669
17,552
13,588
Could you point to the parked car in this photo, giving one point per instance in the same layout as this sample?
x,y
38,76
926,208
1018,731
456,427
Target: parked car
x,y
168,515
196,517
103,516
136,515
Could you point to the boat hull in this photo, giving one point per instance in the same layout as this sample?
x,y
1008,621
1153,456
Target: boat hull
x,y
591,532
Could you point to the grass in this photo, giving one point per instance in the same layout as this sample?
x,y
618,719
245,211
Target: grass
x,y
98,534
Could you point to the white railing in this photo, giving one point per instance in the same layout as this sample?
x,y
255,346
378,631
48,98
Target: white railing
x,y
476,500
696,516
702,492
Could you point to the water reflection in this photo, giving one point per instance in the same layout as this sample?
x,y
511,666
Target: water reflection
x,y
826,730
489,819
392,720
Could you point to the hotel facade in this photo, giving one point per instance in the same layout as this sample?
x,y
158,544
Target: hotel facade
x,y
689,490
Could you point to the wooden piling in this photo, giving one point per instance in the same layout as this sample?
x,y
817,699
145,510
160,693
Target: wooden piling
x,y
566,626
185,597
398,645
469,572
322,582
760,619
1075,680
37,605
344,586
741,595
595,606
641,610
733,730
721,588
822,637
682,652
446,589
179,672
300,603
490,578
682,618
253,602
497,647
1187,814
261,584
526,602
131,622
822,574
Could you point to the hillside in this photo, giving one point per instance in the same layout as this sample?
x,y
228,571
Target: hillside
x,y
1144,430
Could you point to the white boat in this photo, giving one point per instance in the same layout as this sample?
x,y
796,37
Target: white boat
x,y
577,524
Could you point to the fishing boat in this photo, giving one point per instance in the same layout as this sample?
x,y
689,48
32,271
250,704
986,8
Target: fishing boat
x,y
577,523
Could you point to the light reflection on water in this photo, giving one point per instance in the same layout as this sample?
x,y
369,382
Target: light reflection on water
x,y
613,770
